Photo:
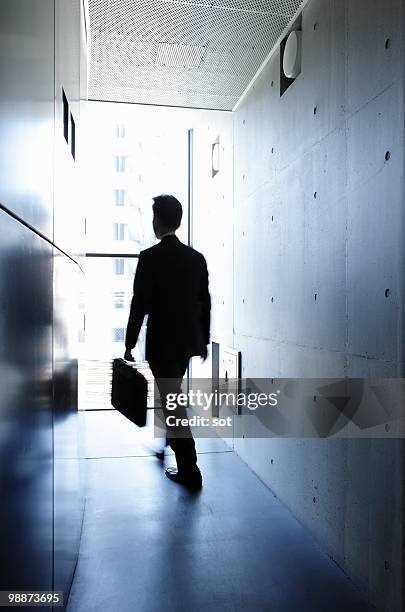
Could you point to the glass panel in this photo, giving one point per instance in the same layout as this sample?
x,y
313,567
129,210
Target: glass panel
x,y
119,197
145,155
108,295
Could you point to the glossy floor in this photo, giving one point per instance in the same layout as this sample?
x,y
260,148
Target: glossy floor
x,y
149,545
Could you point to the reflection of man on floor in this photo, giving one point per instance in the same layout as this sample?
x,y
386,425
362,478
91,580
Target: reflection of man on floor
x,y
171,286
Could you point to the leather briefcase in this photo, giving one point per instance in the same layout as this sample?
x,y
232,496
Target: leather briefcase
x,y
129,391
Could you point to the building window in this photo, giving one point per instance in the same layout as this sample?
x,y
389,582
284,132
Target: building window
x,y
120,197
119,299
120,130
120,163
119,334
119,231
119,266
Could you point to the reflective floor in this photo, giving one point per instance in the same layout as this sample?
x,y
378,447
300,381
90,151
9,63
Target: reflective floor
x,y
149,545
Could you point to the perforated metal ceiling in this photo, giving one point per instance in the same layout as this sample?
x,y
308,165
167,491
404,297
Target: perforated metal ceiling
x,y
200,54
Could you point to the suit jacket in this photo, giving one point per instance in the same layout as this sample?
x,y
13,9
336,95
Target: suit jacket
x,y
171,287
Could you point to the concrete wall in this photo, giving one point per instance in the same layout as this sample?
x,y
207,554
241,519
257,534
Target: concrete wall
x,y
318,209
41,43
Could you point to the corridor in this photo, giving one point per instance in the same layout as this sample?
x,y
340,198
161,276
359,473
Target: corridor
x,y
214,187
149,545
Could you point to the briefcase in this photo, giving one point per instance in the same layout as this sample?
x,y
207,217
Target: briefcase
x,y
129,391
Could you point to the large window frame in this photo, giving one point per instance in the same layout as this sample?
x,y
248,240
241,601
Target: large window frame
x,y
119,199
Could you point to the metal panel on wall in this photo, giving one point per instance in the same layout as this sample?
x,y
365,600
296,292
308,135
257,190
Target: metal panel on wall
x,y
41,497
26,478
27,110
69,197
68,484
68,234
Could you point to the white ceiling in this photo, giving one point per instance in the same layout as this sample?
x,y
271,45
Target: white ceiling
x,y
190,53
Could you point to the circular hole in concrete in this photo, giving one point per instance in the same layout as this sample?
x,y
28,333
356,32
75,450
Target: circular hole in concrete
x,y
386,565
388,43
272,300
387,427
315,110
314,500
387,293
315,26
315,195
272,218
272,84
387,156
271,461
315,297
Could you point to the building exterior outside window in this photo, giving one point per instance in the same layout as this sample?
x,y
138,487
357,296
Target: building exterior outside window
x,y
119,299
119,334
120,162
119,231
119,197
119,266
144,156
120,130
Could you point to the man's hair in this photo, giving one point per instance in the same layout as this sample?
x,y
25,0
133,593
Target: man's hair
x,y
168,209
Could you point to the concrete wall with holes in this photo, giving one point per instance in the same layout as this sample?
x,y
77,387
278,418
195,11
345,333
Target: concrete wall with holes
x,y
319,270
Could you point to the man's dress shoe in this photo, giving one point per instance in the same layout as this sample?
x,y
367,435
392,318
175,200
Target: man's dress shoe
x,y
191,481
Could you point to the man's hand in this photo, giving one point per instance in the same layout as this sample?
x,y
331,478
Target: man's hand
x,y
204,354
128,355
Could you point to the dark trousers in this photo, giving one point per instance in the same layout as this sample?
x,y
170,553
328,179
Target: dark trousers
x,y
168,374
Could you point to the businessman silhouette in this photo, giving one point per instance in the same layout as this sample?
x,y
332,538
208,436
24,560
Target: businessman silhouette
x,y
171,286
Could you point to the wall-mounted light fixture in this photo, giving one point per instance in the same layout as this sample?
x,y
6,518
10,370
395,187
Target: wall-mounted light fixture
x,y
215,157
292,55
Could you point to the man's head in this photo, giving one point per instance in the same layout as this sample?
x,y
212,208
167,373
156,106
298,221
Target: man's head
x,y
167,213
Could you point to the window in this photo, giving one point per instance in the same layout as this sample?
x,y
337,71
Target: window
x,y
120,130
119,299
120,163
120,197
119,334
119,266
119,231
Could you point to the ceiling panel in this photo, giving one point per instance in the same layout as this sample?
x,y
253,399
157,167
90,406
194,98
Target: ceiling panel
x,y
182,53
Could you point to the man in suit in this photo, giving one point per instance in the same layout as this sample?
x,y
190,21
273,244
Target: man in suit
x,y
171,286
